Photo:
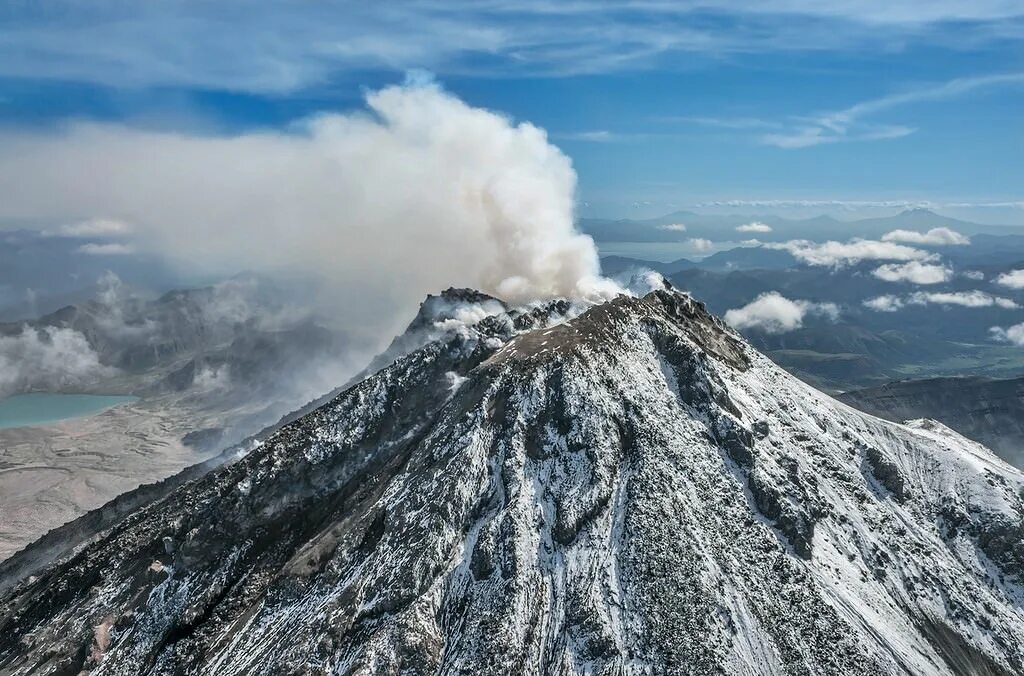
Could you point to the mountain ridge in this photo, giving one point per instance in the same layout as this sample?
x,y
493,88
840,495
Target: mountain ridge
x,y
627,488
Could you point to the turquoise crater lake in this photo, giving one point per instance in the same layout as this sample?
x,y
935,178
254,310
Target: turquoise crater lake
x,y
40,408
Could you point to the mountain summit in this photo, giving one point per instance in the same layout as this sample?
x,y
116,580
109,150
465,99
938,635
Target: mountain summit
x,y
630,489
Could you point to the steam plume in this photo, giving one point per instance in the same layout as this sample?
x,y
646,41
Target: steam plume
x,y
419,192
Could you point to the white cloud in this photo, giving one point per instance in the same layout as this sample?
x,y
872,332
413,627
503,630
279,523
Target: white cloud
x,y
754,227
1011,334
976,275
884,303
836,254
773,313
416,194
972,299
914,272
673,227
96,227
1011,280
935,236
968,299
700,245
107,249
50,358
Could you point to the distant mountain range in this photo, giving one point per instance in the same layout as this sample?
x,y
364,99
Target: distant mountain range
x,y
862,347
723,227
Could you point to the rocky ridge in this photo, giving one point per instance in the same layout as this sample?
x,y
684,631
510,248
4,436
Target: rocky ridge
x,y
630,489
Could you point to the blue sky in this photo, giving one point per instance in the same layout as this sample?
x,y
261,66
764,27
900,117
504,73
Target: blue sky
x,y
661,105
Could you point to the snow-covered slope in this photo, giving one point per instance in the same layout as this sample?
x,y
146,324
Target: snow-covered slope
x,y
630,490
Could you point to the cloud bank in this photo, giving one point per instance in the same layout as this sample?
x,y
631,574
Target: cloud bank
x,y
417,193
774,313
754,227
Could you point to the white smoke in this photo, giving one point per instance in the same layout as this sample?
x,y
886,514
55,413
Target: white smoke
x,y
418,193
48,359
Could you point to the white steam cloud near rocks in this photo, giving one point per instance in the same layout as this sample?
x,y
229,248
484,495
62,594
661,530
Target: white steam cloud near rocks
x,y
47,359
774,313
914,272
934,237
417,193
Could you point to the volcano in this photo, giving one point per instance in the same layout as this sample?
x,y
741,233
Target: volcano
x,y
629,488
